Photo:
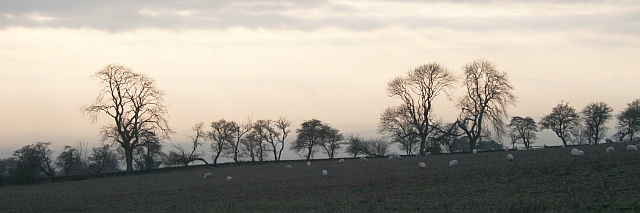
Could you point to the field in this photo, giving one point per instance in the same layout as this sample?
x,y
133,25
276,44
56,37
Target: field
x,y
548,180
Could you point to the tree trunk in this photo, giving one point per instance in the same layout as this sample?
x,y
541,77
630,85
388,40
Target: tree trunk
x,y
423,143
129,158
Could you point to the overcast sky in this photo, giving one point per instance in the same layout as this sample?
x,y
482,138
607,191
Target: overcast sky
x,y
328,60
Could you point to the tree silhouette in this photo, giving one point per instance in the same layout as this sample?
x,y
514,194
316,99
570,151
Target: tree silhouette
x,y
562,119
629,120
416,90
484,105
135,105
595,115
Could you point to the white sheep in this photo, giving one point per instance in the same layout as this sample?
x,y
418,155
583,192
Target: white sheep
x,y
288,167
391,157
422,164
229,178
610,150
506,148
324,172
510,157
580,153
308,163
574,152
453,163
608,140
341,161
428,154
364,159
208,175
475,151
632,148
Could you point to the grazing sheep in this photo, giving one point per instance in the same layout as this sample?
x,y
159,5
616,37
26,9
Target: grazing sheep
x,y
506,149
580,153
341,161
364,159
208,175
229,178
288,167
324,172
428,154
398,157
610,150
510,157
391,157
632,148
574,152
608,140
308,163
475,151
453,163
422,164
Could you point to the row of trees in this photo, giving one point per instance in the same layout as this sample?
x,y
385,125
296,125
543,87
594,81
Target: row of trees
x,y
483,110
35,161
136,107
583,127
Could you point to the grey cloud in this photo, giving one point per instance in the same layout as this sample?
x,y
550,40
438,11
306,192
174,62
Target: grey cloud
x,y
120,15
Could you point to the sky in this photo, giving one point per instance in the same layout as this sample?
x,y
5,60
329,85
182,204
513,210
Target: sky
x,y
329,60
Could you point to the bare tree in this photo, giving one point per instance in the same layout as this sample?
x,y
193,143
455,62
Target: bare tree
x,y
525,129
33,159
135,105
149,156
484,105
376,147
446,135
417,90
254,147
82,147
222,133
232,148
355,145
268,134
629,120
282,126
332,140
103,159
309,137
397,123
562,119
69,161
595,115
183,157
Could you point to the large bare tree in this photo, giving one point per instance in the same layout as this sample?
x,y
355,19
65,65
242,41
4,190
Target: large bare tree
x,y
595,115
562,120
484,104
134,103
417,90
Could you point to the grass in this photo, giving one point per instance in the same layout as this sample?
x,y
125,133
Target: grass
x,y
548,180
